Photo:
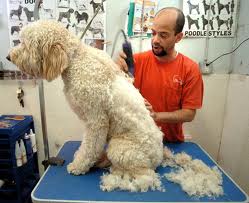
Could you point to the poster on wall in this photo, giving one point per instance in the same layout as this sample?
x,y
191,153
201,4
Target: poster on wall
x,y
213,18
144,12
74,14
21,13
1,8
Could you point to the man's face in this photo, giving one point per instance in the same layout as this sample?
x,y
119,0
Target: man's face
x,y
163,34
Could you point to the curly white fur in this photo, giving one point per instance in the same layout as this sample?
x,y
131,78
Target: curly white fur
x,y
194,176
111,108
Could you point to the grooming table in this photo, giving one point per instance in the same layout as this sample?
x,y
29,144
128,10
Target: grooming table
x,y
56,185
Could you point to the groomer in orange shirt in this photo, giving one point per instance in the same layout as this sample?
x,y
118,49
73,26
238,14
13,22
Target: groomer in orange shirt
x,y
170,82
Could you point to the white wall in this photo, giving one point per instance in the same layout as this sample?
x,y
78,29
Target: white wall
x,y
234,155
207,127
221,125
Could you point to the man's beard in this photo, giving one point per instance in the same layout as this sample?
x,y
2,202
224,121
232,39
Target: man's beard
x,y
160,53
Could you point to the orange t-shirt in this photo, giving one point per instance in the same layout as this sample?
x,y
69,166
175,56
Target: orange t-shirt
x,y
169,86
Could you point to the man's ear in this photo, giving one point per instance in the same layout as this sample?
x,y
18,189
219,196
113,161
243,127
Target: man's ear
x,y
179,36
55,61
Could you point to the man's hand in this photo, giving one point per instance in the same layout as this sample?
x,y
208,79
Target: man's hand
x,y
120,61
150,108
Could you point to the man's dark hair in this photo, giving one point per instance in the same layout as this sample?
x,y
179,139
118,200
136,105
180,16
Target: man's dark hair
x,y
180,20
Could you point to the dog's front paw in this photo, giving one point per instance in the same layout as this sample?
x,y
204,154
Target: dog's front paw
x,y
75,169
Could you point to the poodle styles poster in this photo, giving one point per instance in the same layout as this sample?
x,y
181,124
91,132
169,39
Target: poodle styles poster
x,y
213,18
74,14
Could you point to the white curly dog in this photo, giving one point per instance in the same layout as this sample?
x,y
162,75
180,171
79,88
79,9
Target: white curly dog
x,y
112,109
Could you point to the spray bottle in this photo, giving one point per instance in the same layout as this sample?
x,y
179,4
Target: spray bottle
x,y
28,145
18,154
23,150
33,140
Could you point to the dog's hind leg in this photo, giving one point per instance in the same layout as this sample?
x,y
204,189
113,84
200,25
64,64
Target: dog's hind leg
x,y
133,166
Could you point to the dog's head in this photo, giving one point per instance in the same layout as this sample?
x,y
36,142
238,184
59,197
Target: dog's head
x,y
45,50
76,13
25,9
70,10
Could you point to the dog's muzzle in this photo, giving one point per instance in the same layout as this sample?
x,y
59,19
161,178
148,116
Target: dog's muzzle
x,y
8,58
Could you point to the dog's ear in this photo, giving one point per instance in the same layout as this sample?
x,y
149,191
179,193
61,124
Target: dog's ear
x,y
55,61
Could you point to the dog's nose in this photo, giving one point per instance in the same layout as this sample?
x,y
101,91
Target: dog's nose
x,y
8,57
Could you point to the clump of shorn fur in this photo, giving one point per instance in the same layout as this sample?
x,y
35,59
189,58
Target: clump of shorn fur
x,y
194,176
143,182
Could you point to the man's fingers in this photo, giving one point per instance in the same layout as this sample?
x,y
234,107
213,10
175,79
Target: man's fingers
x,y
120,61
149,108
146,103
153,115
122,55
123,65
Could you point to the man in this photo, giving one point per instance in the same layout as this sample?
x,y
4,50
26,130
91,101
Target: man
x,y
170,82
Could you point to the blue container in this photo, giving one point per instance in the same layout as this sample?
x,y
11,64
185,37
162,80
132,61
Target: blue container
x,y
12,129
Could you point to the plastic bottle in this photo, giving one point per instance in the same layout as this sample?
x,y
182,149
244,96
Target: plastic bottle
x,y
33,140
28,145
1,183
23,150
18,154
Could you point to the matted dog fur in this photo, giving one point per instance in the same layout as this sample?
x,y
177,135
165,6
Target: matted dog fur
x,y
111,108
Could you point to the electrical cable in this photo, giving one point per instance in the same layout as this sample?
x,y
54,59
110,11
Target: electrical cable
x,y
116,38
207,64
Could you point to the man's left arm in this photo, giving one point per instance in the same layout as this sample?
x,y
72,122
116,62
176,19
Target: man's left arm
x,y
191,99
178,116
181,115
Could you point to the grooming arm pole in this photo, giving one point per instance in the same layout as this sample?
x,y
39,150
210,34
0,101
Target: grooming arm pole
x,y
48,160
41,98
43,120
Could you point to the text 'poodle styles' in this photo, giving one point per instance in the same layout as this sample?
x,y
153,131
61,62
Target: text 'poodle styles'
x,y
112,109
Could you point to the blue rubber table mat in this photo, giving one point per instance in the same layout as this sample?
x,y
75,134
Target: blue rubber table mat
x,y
57,185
